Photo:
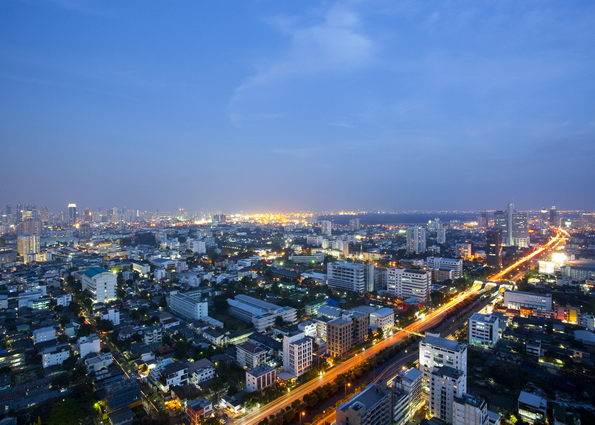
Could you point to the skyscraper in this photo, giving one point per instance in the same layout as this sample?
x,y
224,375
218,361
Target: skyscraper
x,y
554,216
494,248
416,239
509,237
72,213
520,229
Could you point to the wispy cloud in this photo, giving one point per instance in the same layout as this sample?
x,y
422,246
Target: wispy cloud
x,y
335,42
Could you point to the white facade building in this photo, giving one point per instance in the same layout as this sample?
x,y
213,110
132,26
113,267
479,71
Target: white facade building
x,y
297,353
408,283
484,329
446,384
469,410
538,302
260,313
260,378
47,333
55,355
383,318
98,362
188,305
435,351
88,344
454,264
100,283
353,277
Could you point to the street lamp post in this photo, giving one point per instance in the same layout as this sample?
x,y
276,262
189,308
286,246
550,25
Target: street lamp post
x,y
302,414
347,385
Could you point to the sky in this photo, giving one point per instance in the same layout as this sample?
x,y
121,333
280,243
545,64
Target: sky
x,y
297,105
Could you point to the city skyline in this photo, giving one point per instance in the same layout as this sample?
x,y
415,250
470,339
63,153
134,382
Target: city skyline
x,y
275,106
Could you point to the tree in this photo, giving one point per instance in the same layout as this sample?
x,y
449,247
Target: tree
x,y
68,411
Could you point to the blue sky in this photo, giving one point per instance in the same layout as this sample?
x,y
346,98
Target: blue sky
x,y
298,105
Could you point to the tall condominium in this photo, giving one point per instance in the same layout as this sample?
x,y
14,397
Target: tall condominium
x,y
188,305
469,410
353,277
100,283
72,213
326,227
446,384
27,247
501,225
454,264
435,351
260,313
520,229
370,407
407,395
297,353
509,227
354,224
416,239
408,283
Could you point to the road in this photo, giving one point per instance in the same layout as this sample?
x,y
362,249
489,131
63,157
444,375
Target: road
x,y
431,320
553,243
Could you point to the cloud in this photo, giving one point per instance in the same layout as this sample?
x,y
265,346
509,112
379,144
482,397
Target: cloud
x,y
334,43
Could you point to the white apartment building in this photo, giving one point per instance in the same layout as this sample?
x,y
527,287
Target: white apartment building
x,y
469,410
407,395
353,277
416,239
27,247
297,353
454,264
538,302
260,313
88,344
100,283
446,384
200,371
47,333
111,315
383,318
408,283
250,355
484,329
435,352
326,227
98,362
188,305
55,355
260,378
372,406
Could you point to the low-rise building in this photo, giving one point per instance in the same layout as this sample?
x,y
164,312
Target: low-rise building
x,y
55,355
484,329
260,378
372,406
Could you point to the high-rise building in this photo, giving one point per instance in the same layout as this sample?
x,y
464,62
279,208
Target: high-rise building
x,y
297,353
370,407
494,248
353,277
360,325
326,227
441,236
100,283
339,336
509,236
554,216
454,264
500,225
408,283
484,329
27,247
407,395
354,224
520,229
72,213
416,239
446,384
435,351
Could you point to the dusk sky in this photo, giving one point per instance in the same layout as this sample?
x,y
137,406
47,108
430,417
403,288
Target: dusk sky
x,y
295,105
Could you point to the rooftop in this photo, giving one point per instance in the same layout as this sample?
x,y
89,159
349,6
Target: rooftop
x,y
92,271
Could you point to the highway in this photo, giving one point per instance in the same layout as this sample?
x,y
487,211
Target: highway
x,y
429,321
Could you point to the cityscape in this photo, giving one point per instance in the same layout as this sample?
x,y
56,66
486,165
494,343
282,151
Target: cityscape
x,y
342,212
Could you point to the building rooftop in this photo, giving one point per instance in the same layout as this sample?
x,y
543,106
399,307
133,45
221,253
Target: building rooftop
x,y
448,344
532,399
260,370
368,398
92,271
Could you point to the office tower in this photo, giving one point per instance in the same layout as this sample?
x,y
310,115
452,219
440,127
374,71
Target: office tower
x,y
326,227
453,264
469,410
554,216
27,247
188,305
446,384
494,249
354,277
520,229
339,336
500,225
408,283
435,351
484,329
297,353
509,236
416,240
441,236
354,224
100,283
484,220
219,219
72,213
115,215
88,215
370,407
260,313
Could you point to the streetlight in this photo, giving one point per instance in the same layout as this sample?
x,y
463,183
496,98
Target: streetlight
x,y
347,385
302,414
